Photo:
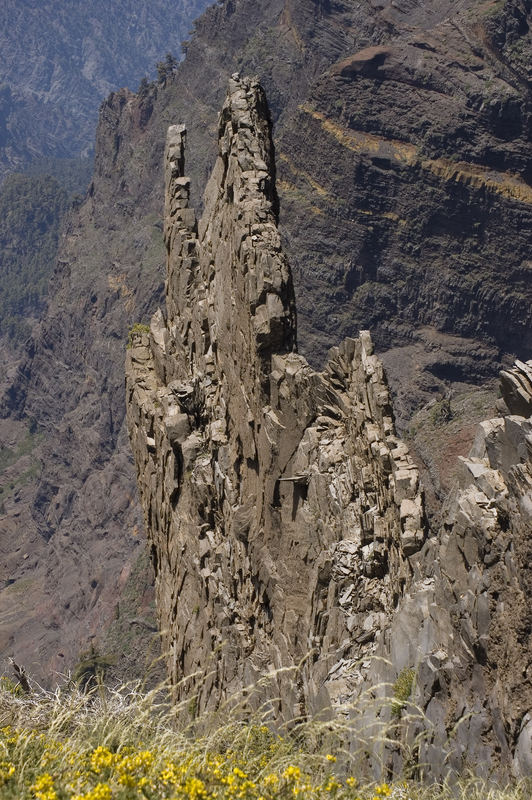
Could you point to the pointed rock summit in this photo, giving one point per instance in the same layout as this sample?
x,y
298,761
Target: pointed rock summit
x,y
285,516
264,483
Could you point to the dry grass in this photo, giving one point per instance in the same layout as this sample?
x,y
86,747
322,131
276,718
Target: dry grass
x,y
127,743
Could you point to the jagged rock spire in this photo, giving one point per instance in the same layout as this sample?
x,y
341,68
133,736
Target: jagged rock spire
x,y
284,515
259,477
242,289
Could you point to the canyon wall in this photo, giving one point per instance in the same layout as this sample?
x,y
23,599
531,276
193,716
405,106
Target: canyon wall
x,y
402,144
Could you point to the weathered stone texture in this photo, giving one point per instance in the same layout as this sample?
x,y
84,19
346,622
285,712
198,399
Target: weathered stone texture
x,y
392,218
465,622
285,517
276,497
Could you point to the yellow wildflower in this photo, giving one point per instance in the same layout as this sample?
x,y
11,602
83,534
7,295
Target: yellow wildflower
x,y
102,791
292,773
100,759
7,770
126,779
332,785
195,788
238,772
330,757
43,788
170,774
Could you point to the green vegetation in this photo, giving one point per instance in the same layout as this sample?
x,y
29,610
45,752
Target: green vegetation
x,y
91,668
492,8
7,685
165,70
31,209
73,174
133,635
22,479
442,411
136,329
9,456
126,744
519,52
402,689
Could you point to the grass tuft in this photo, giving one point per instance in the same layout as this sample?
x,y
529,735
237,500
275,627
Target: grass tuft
x,y
128,743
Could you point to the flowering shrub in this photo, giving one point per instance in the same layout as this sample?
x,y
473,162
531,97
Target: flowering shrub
x,y
74,747
63,770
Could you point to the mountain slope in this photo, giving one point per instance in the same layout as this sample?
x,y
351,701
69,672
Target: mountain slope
x,y
30,213
392,217
59,60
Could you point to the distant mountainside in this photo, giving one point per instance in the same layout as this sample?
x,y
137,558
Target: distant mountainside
x,y
31,209
402,138
59,60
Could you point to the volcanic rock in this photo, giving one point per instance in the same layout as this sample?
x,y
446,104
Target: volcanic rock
x,y
275,496
284,515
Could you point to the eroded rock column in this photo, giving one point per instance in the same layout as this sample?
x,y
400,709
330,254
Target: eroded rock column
x,y
280,506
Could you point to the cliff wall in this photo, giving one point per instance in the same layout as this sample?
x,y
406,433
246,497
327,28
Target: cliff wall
x,y
284,515
259,477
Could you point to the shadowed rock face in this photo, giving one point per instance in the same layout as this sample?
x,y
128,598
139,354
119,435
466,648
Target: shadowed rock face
x,y
283,513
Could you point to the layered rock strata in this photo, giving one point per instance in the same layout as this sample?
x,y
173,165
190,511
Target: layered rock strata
x,y
284,515
275,497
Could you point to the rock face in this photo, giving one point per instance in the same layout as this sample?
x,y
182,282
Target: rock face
x,y
265,484
361,224
464,625
285,516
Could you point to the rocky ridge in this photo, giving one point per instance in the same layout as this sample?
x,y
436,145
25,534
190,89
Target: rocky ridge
x,y
366,237
285,516
252,466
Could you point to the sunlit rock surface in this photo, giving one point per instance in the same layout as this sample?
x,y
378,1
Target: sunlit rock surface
x,y
284,514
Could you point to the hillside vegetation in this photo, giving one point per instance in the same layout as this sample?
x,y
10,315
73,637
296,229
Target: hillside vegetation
x,y
31,209
127,744
60,60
